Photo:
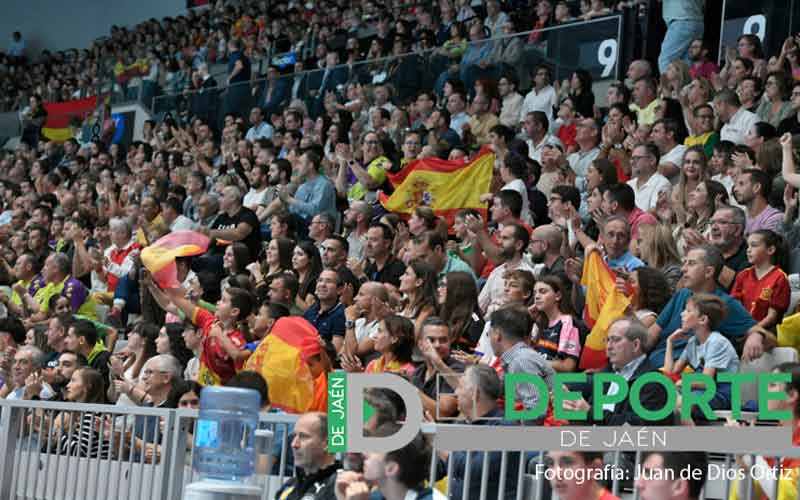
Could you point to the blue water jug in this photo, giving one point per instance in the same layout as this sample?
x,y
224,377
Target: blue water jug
x,y
224,440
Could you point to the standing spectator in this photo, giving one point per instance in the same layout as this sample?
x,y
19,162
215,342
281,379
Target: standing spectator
x,y
33,118
238,79
684,20
542,96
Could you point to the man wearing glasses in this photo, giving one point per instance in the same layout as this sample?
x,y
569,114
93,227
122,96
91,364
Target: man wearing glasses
x,y
703,128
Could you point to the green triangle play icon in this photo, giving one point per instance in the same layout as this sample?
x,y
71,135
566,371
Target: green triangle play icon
x,y
369,411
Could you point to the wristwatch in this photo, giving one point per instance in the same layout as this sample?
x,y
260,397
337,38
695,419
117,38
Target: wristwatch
x,y
349,324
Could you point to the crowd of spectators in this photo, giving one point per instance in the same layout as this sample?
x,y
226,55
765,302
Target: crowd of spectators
x,y
685,184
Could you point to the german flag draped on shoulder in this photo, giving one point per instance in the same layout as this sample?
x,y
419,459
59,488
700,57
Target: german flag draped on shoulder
x,y
443,185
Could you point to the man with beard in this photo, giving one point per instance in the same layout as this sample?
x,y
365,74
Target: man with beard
x,y
752,190
68,362
278,175
356,221
514,239
256,198
545,249
727,235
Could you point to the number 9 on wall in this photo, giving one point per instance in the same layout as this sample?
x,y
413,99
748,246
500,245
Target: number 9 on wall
x,y
607,56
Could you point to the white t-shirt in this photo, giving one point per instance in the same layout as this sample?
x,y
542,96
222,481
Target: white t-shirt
x,y
254,199
738,126
647,195
675,156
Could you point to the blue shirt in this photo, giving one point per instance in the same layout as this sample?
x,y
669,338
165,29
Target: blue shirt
x,y
329,323
734,326
314,196
626,261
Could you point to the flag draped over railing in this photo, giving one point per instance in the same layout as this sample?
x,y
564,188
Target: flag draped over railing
x,y
443,185
159,258
604,304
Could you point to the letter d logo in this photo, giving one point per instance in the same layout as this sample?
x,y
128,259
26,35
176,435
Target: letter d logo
x,y
354,437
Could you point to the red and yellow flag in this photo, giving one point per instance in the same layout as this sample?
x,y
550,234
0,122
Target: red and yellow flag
x,y
279,358
604,304
159,258
59,114
443,185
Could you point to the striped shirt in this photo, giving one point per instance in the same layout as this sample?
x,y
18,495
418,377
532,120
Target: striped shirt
x,y
522,359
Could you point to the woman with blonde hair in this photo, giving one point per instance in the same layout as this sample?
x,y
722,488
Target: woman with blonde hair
x,y
674,79
693,171
657,248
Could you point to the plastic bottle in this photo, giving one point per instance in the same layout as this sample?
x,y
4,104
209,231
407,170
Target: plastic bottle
x,y
224,440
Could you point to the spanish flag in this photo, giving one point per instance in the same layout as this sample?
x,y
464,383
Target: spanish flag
x,y
279,358
604,304
159,258
445,186
56,126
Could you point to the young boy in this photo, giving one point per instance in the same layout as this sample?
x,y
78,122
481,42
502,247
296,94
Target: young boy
x,y
708,351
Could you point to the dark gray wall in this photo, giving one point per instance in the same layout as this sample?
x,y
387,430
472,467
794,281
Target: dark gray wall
x,y
64,24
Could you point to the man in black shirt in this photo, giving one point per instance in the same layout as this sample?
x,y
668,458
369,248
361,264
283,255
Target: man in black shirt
x,y
316,467
437,396
234,223
383,267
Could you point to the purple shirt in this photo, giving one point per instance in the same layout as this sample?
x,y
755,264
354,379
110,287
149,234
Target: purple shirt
x,y
769,218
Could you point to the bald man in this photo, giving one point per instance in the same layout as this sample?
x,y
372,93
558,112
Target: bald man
x,y
545,248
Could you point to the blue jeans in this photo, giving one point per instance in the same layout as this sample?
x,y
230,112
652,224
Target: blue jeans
x,y
680,33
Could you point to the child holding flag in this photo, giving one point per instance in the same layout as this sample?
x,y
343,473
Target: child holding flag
x,y
233,309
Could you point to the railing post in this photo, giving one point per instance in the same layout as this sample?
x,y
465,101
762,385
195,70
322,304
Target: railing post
x,y
176,464
9,432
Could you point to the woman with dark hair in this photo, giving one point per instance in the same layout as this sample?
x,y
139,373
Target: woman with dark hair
x,y
418,286
701,203
307,265
184,395
126,365
672,109
234,261
758,134
277,261
555,334
395,343
774,108
81,437
580,91
651,292
458,302
170,341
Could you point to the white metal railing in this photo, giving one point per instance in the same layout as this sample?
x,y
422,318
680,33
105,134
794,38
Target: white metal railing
x,y
149,457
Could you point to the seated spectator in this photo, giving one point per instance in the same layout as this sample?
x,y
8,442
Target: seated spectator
x,y
774,108
707,351
752,190
737,120
700,270
316,467
626,356
661,478
478,394
508,334
702,129
81,438
56,273
555,333
327,314
657,248
645,100
791,123
394,473
458,306
567,465
382,265
437,393
514,241
394,340
360,180
82,339
763,289
27,380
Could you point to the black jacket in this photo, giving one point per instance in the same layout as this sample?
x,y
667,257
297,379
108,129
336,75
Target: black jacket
x,y
319,486
653,396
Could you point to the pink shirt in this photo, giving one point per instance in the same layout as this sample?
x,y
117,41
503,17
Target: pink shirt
x,y
637,218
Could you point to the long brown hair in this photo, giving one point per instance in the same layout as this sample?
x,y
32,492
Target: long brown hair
x,y
93,383
460,303
564,303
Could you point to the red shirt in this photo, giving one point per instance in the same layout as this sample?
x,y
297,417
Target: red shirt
x,y
567,133
759,295
216,366
117,256
703,69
